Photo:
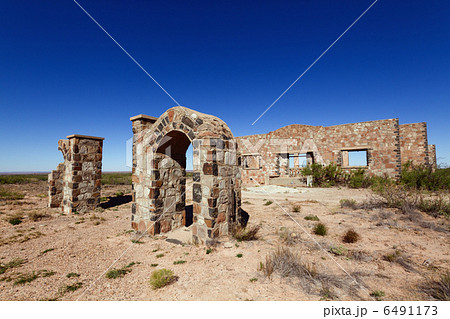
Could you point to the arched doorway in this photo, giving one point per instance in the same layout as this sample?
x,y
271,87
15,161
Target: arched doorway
x,y
159,174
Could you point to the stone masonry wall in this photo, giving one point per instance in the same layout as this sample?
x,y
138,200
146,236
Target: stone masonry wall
x,y
414,143
324,145
75,185
159,176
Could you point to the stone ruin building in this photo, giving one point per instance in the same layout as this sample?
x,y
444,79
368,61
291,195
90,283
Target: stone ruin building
x,y
221,163
76,183
279,156
159,174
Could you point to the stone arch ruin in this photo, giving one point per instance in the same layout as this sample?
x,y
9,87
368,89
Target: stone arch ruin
x,y
159,174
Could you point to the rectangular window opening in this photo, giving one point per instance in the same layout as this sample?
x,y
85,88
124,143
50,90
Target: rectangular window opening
x,y
355,158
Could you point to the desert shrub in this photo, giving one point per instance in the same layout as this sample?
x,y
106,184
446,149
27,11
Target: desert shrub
x,y
22,179
70,288
359,255
350,203
288,236
116,179
10,195
328,175
267,203
12,264
378,294
246,233
287,264
312,217
408,199
36,216
320,229
400,258
15,219
424,177
26,278
350,236
72,275
296,209
338,250
359,179
161,278
179,262
438,288
116,273
239,255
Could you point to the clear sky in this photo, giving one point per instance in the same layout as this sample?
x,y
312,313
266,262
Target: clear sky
x,y
60,74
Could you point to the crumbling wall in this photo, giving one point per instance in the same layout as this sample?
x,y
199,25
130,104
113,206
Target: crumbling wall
x,y
386,143
159,174
432,155
75,185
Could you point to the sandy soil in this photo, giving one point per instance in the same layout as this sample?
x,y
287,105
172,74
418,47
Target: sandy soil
x,y
88,244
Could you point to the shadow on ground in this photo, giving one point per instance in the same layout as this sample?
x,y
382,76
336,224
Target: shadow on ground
x,y
114,201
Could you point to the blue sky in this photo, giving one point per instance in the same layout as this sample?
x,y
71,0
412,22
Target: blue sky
x,y
60,74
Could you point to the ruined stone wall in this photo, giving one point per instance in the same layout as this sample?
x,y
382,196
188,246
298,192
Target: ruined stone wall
x,y
159,177
325,145
75,185
432,155
414,143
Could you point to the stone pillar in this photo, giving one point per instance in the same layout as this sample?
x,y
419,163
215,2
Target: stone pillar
x,y
76,184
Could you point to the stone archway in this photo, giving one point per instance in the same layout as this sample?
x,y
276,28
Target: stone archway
x,y
159,174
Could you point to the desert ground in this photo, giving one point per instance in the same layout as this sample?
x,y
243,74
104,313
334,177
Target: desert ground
x,y
52,256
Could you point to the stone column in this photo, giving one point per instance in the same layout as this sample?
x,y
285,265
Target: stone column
x,y
76,184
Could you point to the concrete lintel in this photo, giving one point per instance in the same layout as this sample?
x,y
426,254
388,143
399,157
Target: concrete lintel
x,y
85,137
147,118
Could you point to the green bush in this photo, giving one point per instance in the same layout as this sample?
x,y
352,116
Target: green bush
x,y
320,229
22,179
161,278
116,179
312,217
116,273
328,175
8,195
423,177
359,179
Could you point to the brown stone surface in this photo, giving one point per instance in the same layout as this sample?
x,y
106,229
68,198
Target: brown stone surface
x,y
76,183
388,145
159,170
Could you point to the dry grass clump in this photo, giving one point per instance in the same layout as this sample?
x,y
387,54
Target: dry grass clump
x,y
287,264
438,288
36,216
408,200
350,203
10,195
359,255
289,237
161,278
398,257
350,236
320,229
246,233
